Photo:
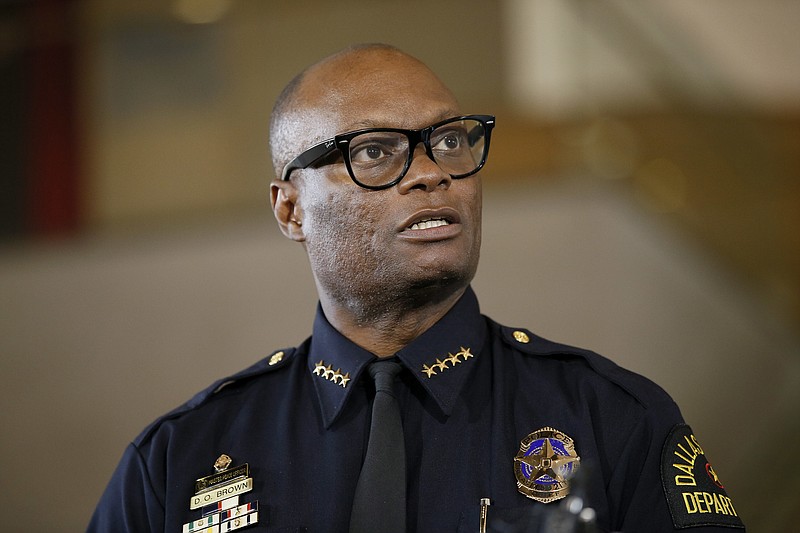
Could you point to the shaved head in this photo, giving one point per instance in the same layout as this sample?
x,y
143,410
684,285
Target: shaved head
x,y
320,90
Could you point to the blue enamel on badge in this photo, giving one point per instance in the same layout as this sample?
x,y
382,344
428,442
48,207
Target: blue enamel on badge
x,y
544,464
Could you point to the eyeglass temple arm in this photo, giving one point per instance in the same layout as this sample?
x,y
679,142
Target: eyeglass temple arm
x,y
479,131
309,157
475,133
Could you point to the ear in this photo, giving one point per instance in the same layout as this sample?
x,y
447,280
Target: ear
x,y
283,196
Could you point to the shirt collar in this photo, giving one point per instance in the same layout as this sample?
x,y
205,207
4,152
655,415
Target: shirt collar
x,y
440,358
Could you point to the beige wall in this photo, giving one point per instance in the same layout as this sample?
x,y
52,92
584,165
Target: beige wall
x,y
176,114
694,107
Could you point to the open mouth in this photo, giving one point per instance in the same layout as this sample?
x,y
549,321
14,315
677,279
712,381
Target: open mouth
x,y
429,223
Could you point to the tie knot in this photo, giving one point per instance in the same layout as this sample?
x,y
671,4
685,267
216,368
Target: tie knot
x,y
384,372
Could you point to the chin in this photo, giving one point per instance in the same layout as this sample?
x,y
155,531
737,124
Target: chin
x,y
442,271
441,284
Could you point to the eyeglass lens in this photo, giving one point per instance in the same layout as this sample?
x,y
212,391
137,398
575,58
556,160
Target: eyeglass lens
x,y
380,157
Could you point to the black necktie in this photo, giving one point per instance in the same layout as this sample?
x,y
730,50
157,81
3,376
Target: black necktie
x,y
380,500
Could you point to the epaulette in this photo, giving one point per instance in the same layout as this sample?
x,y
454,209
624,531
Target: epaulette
x,y
276,360
642,389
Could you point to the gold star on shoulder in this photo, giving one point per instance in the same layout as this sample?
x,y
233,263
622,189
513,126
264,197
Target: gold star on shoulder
x,y
440,364
326,371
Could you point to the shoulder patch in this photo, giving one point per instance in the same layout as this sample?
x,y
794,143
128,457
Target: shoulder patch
x,y
695,495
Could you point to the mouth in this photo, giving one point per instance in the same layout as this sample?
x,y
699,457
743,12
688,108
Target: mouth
x,y
429,223
430,218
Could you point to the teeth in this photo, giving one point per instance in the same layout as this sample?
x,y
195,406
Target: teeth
x,y
430,223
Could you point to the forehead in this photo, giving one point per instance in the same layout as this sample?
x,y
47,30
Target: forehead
x,y
373,88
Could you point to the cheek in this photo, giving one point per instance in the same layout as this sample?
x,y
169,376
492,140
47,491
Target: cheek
x,y
472,203
340,230
471,199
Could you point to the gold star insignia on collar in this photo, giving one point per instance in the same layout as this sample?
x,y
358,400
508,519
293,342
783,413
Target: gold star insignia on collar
x,y
326,371
341,379
428,371
441,364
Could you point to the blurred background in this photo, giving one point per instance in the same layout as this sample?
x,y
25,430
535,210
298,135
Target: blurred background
x,y
642,200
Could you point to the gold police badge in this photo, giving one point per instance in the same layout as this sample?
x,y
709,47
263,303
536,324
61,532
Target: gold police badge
x,y
544,464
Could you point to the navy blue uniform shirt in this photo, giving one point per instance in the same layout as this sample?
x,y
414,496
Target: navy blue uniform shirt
x,y
471,391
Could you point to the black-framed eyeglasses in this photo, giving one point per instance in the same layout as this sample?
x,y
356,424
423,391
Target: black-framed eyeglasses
x,y
378,158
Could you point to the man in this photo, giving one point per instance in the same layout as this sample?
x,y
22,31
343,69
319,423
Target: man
x,y
377,178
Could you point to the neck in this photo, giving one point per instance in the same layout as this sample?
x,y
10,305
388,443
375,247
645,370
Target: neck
x,y
385,326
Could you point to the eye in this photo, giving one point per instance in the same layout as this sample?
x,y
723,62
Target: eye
x,y
372,148
448,141
372,151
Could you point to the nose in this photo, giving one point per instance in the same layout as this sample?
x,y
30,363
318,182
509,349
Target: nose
x,y
423,173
